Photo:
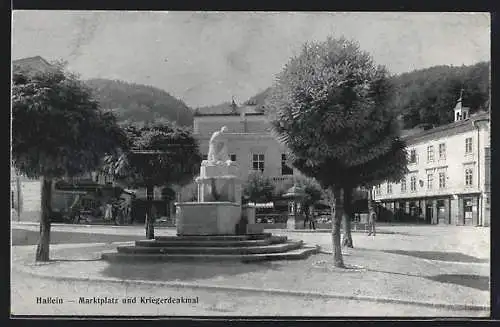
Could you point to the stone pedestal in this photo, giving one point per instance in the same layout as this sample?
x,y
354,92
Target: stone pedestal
x,y
218,210
207,218
248,212
219,182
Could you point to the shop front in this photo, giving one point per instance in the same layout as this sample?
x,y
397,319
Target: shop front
x,y
468,210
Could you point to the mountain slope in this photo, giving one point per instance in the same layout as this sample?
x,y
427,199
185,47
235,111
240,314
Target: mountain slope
x,y
139,103
428,96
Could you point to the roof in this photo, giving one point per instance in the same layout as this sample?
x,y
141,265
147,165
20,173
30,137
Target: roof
x,y
227,109
36,63
414,134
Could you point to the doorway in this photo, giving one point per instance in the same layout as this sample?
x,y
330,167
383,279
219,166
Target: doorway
x,y
468,212
429,213
441,212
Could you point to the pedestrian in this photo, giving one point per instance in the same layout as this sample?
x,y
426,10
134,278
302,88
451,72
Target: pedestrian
x,y
108,213
312,222
372,218
306,217
309,217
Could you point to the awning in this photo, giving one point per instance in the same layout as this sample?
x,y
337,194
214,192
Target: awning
x,y
263,205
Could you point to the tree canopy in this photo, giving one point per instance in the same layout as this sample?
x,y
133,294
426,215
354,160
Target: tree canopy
x,y
157,154
258,188
311,188
329,106
57,128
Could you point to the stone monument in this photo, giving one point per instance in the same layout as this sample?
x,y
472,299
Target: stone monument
x,y
218,210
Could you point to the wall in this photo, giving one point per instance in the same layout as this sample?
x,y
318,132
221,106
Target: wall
x,y
453,165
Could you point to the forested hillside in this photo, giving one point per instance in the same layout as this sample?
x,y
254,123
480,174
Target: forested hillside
x,y
140,103
428,96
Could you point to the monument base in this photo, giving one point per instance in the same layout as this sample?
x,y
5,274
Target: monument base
x,y
207,218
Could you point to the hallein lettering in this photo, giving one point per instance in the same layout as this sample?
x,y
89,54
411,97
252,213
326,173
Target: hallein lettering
x,y
49,300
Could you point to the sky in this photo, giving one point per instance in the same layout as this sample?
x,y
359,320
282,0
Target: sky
x,y
205,58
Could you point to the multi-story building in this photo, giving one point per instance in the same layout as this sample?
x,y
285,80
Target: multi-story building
x,y
449,173
251,143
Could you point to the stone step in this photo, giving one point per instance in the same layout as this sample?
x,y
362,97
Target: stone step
x,y
297,254
211,243
215,237
275,248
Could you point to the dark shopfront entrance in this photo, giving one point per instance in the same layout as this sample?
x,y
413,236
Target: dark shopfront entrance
x,y
442,215
429,211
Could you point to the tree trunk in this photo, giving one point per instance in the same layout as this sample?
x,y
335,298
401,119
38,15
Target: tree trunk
x,y
347,217
42,251
370,198
150,229
336,220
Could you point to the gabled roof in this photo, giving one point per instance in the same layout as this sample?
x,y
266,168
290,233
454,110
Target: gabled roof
x,y
448,129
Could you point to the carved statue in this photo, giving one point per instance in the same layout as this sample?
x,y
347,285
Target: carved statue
x,y
217,151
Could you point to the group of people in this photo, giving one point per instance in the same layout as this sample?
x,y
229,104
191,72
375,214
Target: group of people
x,y
310,217
117,211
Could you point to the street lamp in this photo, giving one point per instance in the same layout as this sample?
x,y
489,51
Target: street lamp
x,y
295,193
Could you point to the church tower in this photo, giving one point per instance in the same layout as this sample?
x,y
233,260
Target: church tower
x,y
460,111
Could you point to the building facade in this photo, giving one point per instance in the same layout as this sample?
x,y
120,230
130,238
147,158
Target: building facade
x,y
251,143
449,174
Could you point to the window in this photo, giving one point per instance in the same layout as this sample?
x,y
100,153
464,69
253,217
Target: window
x,y
389,188
430,180
442,180
468,145
413,156
430,153
258,162
377,190
413,184
442,151
468,177
233,157
403,185
285,169
205,157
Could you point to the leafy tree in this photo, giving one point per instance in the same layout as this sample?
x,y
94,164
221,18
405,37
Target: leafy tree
x,y
312,190
58,130
258,187
329,106
158,155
